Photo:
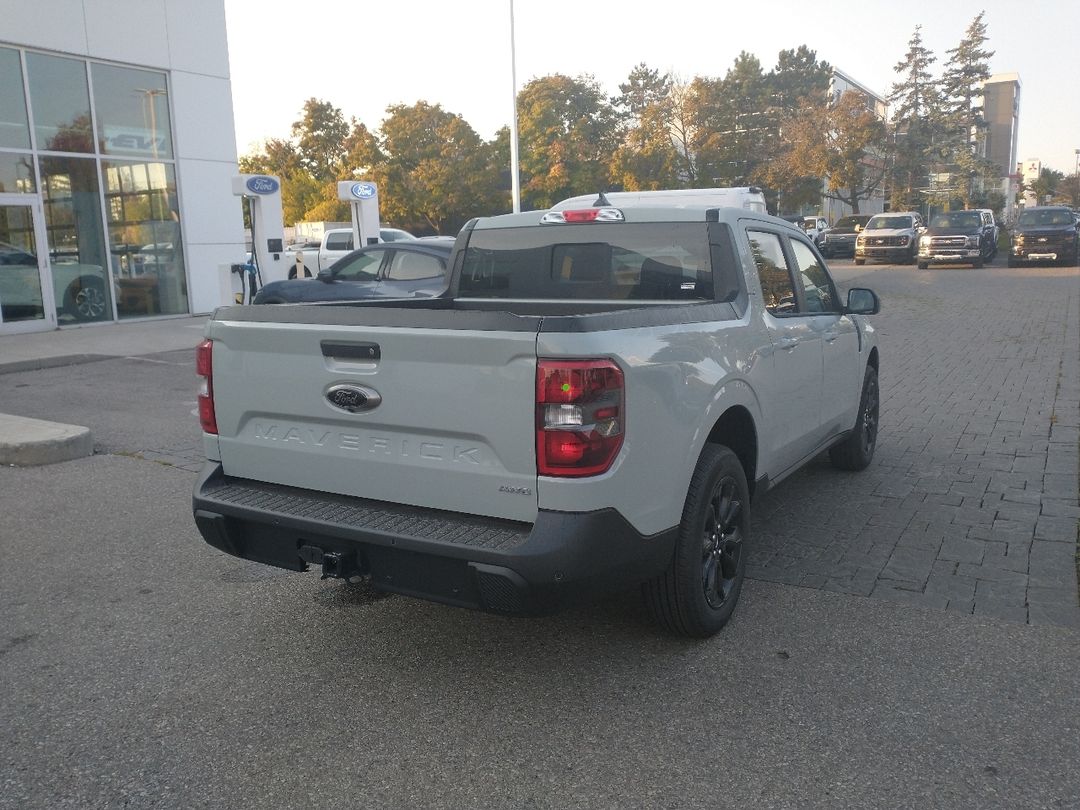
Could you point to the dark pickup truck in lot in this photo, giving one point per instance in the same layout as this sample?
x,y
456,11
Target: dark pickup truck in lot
x,y
839,240
958,237
1045,234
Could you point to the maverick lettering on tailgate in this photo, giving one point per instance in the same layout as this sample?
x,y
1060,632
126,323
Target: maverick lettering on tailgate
x,y
380,445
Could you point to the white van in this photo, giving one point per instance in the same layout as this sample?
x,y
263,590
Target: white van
x,y
749,197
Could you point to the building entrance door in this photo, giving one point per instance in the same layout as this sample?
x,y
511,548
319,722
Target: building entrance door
x,y
26,294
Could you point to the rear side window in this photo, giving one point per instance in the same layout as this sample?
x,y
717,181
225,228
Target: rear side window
x,y
617,261
339,241
409,266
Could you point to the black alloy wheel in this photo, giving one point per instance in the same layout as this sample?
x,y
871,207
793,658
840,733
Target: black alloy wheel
x,y
856,451
697,594
722,546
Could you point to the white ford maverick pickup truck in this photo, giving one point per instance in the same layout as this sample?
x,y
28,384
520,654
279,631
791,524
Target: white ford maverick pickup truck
x,y
593,405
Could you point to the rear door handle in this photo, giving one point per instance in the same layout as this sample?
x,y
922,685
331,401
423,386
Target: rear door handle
x,y
830,336
787,343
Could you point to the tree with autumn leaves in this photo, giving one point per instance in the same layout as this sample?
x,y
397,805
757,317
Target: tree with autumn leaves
x,y
778,128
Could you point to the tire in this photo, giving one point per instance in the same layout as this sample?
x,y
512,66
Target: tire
x,y
696,596
857,450
912,256
977,264
923,265
860,262
86,300
292,272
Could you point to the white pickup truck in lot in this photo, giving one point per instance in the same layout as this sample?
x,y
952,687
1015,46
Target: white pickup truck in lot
x,y
594,404
308,258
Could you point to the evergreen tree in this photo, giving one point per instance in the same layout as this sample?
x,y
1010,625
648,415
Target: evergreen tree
x,y
917,123
731,122
647,157
798,80
961,87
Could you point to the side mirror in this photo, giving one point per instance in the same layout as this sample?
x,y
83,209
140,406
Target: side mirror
x,y
861,301
325,276
858,228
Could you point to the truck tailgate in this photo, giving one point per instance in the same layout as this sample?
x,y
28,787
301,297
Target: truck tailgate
x,y
455,428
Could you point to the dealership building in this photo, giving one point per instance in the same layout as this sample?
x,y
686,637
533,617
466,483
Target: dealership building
x,y
117,154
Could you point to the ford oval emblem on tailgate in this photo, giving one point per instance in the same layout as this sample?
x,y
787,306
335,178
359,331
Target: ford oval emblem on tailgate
x,y
353,398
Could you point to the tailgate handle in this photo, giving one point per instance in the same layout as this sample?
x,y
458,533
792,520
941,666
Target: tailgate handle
x,y
351,351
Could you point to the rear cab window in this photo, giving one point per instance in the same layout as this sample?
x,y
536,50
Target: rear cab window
x,y
625,261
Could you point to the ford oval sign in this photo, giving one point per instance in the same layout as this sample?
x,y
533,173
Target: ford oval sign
x,y
363,191
262,185
353,398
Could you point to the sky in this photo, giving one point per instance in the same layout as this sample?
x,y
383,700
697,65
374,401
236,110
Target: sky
x,y
363,57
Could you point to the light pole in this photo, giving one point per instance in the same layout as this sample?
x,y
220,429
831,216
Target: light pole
x,y
1076,168
515,180
149,96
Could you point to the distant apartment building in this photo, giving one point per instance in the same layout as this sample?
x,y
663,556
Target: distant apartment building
x,y
840,83
1001,111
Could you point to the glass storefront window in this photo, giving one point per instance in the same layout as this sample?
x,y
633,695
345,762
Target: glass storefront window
x,y
144,237
132,108
16,173
69,190
20,282
60,103
14,128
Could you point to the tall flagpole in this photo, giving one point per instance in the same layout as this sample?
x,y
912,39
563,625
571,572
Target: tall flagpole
x,y
515,180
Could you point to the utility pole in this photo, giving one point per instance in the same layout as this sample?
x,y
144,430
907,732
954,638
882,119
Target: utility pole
x,y
515,179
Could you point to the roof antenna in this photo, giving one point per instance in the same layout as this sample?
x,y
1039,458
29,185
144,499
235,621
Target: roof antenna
x,y
601,200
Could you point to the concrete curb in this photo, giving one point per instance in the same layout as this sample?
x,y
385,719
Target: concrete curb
x,y
26,442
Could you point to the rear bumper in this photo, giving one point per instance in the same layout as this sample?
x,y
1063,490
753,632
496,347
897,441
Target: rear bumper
x,y
470,561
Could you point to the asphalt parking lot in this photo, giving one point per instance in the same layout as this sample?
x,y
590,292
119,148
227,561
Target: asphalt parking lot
x,y
910,635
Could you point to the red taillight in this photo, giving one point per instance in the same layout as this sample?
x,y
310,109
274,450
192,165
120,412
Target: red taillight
x,y
579,416
204,367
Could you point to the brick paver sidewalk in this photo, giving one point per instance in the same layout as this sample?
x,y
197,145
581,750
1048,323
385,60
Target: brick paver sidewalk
x,y
971,502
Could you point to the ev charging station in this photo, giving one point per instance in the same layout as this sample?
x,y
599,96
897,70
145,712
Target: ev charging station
x,y
263,193
363,199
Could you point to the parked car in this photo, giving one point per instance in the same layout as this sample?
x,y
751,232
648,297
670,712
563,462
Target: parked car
x,y
839,240
316,255
892,237
1045,234
79,289
958,237
407,269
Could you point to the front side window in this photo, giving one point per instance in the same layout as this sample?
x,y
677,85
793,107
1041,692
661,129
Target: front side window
x,y
776,285
361,267
409,266
817,286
